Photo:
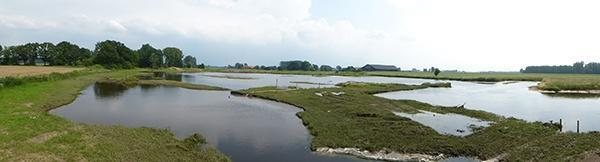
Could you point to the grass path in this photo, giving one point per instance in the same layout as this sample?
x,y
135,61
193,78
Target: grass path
x,y
29,133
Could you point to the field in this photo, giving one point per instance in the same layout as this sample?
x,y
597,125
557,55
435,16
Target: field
x,y
19,71
29,133
360,120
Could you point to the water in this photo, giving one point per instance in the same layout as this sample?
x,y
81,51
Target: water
x,y
245,129
512,100
452,124
261,80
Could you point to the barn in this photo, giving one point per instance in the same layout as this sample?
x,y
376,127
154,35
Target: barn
x,y
374,67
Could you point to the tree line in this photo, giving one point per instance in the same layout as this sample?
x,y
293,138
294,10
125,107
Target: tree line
x,y
109,53
295,65
576,68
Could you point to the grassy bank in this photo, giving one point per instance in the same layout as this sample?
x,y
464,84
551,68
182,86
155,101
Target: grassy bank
x,y
357,119
29,133
558,84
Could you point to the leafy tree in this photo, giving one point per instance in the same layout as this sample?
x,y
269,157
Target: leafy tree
x,y
113,54
9,56
201,66
70,54
315,67
47,53
173,57
189,61
436,71
150,57
338,68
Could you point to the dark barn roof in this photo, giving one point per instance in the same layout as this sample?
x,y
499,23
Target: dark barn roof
x,y
380,67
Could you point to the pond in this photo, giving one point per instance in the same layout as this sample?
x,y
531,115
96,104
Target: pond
x,y
451,124
512,100
237,81
245,129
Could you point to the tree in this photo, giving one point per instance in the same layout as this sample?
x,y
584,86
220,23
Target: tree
x,y
315,67
9,56
189,61
173,57
113,54
436,72
149,57
338,68
326,68
70,54
201,66
47,53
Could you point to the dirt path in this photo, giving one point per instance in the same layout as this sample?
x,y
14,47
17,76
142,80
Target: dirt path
x,y
33,70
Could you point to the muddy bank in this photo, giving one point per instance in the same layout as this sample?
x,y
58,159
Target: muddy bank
x,y
381,155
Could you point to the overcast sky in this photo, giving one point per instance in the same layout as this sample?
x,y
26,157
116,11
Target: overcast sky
x,y
472,35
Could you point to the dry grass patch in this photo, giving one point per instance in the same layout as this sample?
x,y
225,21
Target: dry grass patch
x,y
19,71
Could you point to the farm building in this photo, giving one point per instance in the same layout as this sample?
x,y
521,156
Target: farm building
x,y
373,67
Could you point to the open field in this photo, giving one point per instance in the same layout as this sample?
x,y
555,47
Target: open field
x,y
360,120
29,133
19,71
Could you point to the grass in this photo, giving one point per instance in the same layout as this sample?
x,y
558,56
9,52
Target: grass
x,y
557,84
360,120
29,133
21,71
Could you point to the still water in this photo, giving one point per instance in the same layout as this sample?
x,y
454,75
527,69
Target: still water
x,y
250,129
260,80
512,100
451,124
245,129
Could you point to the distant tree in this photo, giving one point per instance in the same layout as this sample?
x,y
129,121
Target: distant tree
x,y
189,61
113,54
149,57
326,68
315,67
338,68
202,66
436,72
69,54
239,65
576,68
47,53
349,68
9,56
173,57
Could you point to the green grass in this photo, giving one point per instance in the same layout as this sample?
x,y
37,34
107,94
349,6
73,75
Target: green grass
x,y
557,84
360,120
29,133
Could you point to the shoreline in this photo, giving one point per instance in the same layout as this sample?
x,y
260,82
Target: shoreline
x,y
380,155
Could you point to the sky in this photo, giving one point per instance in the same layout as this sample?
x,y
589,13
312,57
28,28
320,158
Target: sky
x,y
469,35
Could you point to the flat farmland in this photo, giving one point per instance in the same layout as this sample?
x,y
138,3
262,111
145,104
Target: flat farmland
x,y
17,71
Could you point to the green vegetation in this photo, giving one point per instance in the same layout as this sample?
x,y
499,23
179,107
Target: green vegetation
x,y
358,119
29,133
558,84
577,68
230,77
110,54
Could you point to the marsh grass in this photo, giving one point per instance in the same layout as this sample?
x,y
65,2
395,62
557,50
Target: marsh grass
x,y
358,119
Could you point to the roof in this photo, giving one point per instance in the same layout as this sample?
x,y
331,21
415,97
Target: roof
x,y
382,67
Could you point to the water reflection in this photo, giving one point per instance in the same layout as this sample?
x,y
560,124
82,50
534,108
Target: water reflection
x,y
245,129
452,124
512,100
108,90
233,81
